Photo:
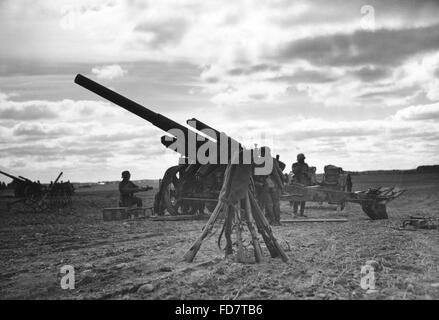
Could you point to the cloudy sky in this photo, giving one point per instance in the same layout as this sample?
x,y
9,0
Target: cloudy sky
x,y
351,83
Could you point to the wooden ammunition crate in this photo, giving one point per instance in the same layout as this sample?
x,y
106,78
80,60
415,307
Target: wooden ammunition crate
x,y
121,213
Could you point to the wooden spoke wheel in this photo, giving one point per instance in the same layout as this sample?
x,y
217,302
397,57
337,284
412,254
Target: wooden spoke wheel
x,y
171,193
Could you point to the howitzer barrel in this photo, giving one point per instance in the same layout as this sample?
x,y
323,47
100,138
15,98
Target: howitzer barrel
x,y
11,176
156,119
197,124
200,126
166,124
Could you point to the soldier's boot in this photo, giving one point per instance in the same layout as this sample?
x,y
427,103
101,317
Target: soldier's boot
x,y
295,207
277,216
269,214
302,209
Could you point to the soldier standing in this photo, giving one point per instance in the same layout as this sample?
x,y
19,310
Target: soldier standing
x,y
273,186
348,183
280,163
127,190
312,176
300,175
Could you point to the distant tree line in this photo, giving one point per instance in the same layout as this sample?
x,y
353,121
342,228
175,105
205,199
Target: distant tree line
x,y
428,169
420,169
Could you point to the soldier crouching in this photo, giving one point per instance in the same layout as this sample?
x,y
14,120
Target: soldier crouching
x,y
127,190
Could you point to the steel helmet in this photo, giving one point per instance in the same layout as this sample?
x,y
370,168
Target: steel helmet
x,y
126,174
300,156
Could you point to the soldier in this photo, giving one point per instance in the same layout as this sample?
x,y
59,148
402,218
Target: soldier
x,y
273,186
264,196
127,190
348,183
280,163
286,178
301,175
312,176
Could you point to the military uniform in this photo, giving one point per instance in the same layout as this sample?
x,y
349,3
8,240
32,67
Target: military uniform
x,y
279,179
281,165
272,200
268,189
348,183
268,197
263,196
127,198
300,175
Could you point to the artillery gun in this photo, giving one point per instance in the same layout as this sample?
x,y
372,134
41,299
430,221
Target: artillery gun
x,y
23,187
37,197
192,186
373,201
333,190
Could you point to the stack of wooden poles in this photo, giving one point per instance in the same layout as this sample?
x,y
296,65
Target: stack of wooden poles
x,y
246,211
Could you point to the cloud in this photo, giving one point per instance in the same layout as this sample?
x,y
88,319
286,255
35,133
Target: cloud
x,y
39,131
254,42
301,75
30,111
109,72
253,69
419,112
312,130
371,73
160,33
379,47
304,72
37,110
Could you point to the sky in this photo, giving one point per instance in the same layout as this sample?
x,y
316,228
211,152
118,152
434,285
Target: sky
x,y
349,83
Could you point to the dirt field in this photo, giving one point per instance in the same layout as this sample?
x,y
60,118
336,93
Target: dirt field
x,y
134,259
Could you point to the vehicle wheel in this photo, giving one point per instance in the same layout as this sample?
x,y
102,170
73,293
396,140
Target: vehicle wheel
x,y
375,210
170,198
169,192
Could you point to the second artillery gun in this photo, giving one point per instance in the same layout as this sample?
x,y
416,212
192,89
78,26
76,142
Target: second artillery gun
x,y
38,197
191,186
23,187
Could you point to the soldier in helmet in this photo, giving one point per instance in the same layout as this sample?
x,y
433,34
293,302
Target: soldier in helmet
x,y
127,190
280,163
269,188
300,175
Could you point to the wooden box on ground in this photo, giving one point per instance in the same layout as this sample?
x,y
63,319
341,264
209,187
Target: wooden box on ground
x,y
181,217
121,213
